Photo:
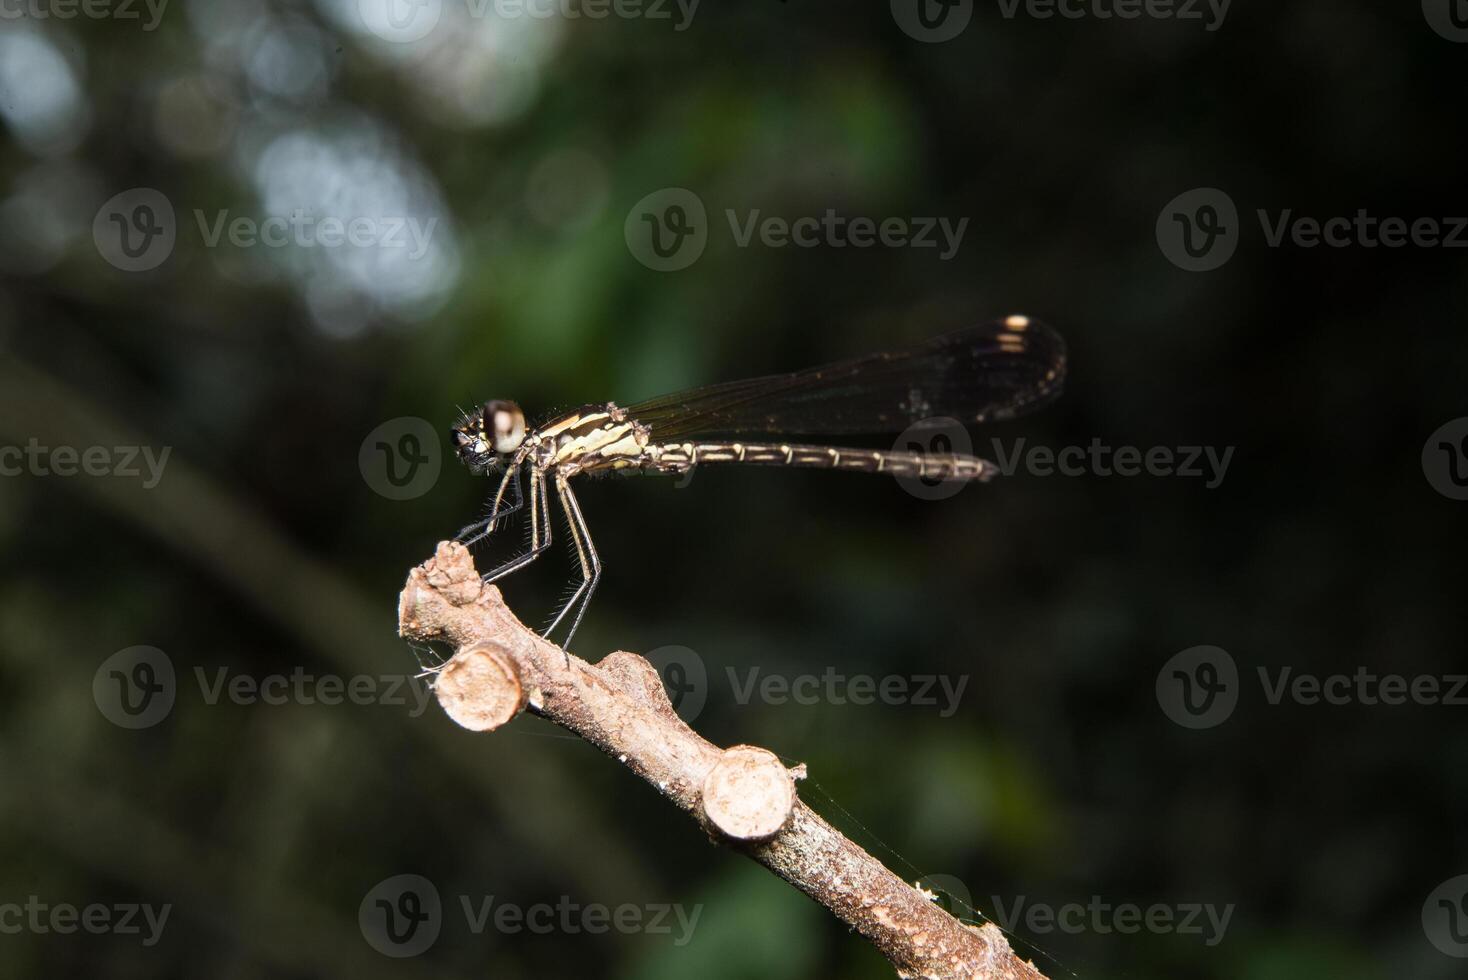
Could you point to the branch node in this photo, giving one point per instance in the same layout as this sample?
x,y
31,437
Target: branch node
x,y
748,795
480,688
451,572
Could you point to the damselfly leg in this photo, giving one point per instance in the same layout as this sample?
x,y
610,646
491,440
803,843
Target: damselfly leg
x,y
585,553
480,530
540,530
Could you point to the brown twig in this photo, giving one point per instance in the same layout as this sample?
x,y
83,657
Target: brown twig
x,y
743,796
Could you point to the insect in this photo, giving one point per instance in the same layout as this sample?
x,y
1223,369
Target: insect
x,y
998,370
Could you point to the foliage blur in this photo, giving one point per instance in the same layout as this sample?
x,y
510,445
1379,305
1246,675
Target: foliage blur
x,y
265,551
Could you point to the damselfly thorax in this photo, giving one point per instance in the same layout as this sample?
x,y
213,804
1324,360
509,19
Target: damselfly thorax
x,y
995,371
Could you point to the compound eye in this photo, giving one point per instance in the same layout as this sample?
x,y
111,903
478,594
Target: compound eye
x,y
507,425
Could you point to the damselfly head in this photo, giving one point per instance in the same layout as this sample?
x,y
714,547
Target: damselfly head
x,y
496,428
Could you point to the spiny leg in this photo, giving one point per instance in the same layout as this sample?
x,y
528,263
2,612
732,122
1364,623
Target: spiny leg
x,y
540,530
586,552
486,526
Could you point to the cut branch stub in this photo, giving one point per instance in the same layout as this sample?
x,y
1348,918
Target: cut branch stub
x,y
480,688
748,795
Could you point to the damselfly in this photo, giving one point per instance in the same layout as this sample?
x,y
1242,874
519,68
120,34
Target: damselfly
x,y
995,371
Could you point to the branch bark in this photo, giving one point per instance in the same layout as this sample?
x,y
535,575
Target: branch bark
x,y
743,796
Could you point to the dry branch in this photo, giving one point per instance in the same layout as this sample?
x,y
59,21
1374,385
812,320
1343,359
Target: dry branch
x,y
744,797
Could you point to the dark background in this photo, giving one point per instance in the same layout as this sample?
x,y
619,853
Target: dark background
x,y
1060,779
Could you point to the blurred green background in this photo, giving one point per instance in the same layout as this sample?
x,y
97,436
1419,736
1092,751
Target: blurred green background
x,y
269,545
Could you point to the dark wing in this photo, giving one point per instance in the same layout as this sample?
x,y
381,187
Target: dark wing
x,y
995,371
